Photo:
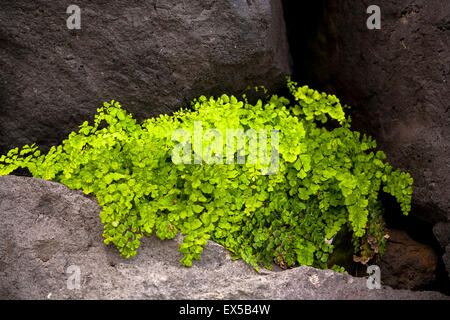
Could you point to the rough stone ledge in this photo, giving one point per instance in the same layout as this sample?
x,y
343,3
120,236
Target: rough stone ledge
x,y
45,227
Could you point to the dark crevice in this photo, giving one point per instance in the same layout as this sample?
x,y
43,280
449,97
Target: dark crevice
x,y
22,172
309,34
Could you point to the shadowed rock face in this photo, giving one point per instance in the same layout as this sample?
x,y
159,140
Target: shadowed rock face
x,y
152,56
446,259
441,232
397,81
45,228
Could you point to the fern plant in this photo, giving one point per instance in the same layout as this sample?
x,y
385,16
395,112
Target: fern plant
x,y
326,179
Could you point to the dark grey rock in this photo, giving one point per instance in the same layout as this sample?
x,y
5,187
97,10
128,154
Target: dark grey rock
x,y
397,81
152,56
45,228
441,232
446,259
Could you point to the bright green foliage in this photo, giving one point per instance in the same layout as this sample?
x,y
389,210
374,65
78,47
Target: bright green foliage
x,y
326,179
338,269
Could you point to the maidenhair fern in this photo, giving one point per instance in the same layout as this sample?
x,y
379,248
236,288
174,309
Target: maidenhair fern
x,y
326,179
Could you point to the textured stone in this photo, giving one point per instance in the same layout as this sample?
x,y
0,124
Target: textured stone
x,y
396,79
441,232
446,259
407,264
45,228
152,56
401,85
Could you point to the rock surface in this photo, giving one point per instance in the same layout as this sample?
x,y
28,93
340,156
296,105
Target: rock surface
x,y
446,259
152,56
441,232
407,264
397,81
45,228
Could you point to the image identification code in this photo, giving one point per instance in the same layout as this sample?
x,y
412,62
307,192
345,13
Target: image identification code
x,y
227,309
